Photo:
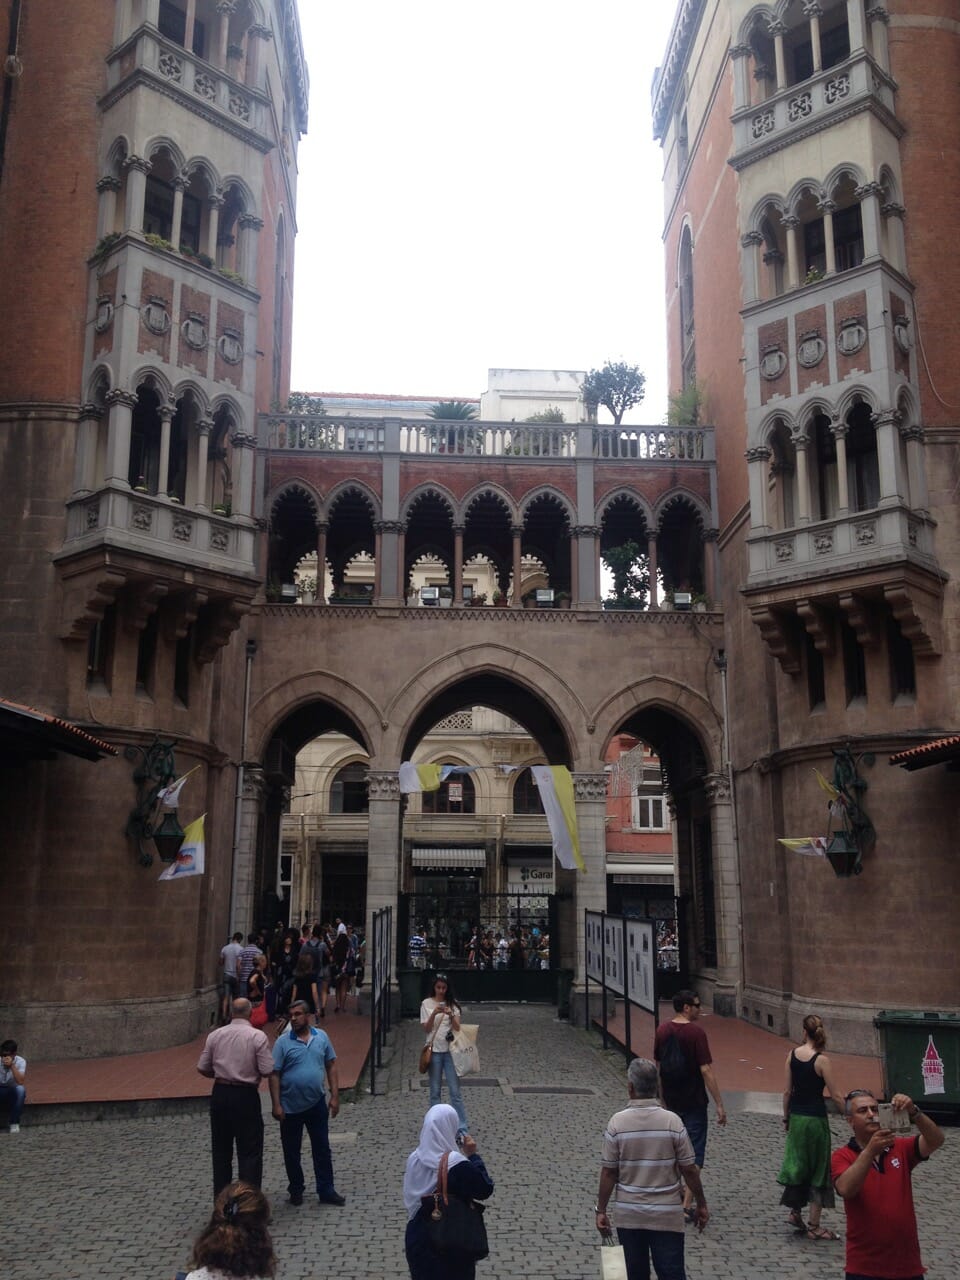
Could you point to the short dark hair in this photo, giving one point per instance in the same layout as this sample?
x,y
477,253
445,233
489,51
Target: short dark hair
x,y
8,1046
238,937
317,931
684,997
298,1004
251,938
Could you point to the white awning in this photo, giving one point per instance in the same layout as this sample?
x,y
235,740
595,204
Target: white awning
x,y
654,872
476,857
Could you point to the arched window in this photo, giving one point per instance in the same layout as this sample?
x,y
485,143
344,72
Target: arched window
x,y
526,794
456,795
348,791
863,468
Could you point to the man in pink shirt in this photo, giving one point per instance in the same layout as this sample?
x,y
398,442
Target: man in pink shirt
x,y
236,1057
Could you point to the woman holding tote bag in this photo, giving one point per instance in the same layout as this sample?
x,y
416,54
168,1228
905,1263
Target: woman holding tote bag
x,y
440,1019
466,1180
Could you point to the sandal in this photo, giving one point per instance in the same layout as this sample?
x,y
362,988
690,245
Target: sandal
x,y
821,1233
796,1220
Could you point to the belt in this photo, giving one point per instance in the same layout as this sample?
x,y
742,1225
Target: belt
x,y
236,1084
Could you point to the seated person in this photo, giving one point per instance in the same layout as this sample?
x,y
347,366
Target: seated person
x,y
13,1075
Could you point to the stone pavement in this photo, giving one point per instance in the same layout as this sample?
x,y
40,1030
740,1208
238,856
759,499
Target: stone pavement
x,y
125,1198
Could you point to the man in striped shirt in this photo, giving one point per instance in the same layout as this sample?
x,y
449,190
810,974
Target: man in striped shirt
x,y
646,1152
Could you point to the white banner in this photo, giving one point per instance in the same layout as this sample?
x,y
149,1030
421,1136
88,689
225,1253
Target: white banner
x,y
593,942
613,953
641,963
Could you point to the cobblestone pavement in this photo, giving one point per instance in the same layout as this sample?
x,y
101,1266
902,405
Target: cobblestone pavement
x,y
125,1198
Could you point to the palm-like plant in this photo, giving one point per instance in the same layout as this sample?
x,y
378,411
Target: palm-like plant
x,y
452,411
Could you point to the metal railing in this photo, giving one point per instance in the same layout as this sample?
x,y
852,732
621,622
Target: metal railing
x,y
381,974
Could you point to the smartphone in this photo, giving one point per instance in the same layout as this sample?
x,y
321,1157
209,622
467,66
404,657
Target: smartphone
x,y
890,1118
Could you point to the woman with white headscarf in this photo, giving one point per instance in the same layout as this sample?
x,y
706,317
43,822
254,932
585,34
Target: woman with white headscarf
x,y
467,1178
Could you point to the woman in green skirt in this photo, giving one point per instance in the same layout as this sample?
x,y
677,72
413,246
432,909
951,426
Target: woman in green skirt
x,y
805,1173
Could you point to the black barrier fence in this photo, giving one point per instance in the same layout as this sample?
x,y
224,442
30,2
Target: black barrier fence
x,y
380,952
435,931
621,958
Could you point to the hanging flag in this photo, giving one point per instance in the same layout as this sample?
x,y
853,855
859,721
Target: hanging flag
x,y
556,794
812,846
510,768
428,777
826,785
169,797
189,861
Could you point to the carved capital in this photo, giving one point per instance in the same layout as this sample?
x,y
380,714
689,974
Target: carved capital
x,y
790,221
138,163
741,51
121,397
799,437
911,432
109,183
869,190
717,788
826,205
241,440
877,13
90,410
758,454
204,427
751,239
887,418
250,222
710,535
777,28
812,9
893,210
254,783
382,785
590,786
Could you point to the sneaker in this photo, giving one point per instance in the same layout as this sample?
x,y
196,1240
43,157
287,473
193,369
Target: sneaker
x,y
333,1198
295,1197
14,1128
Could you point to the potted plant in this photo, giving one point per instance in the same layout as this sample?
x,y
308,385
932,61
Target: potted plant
x,y
478,599
500,599
529,599
563,599
272,589
308,590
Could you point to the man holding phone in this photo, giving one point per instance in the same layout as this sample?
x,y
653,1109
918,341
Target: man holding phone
x,y
13,1076
872,1174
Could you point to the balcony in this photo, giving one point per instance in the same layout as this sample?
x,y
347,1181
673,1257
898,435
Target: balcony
x,y
318,435
148,58
858,84
444,829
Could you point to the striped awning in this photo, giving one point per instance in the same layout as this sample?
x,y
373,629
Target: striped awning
x,y
460,857
940,751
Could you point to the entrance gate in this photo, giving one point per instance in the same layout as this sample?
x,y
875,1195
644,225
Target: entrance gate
x,y
434,934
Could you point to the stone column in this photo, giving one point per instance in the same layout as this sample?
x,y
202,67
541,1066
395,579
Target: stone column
x,y
321,561
377,560
390,553
774,258
652,570
778,30
792,224
120,406
869,197
758,460
190,24
249,229
839,429
383,844
574,572
402,563
894,215
214,204
166,412
224,8
855,25
812,11
516,532
243,907
800,441
152,14
204,427
107,189
879,20
750,265
458,532
741,55
711,583
176,220
919,498
827,208
137,169
886,423
256,36
726,878
590,889
763,79
85,459
244,452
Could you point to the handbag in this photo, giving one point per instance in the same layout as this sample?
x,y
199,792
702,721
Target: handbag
x,y
456,1226
259,1016
464,1051
426,1053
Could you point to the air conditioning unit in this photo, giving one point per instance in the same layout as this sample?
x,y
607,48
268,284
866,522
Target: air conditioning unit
x,y
288,592
682,601
544,595
430,596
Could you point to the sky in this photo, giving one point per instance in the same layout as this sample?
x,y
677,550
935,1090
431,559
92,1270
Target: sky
x,y
479,188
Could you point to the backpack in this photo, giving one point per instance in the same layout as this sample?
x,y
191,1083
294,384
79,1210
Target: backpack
x,y
674,1067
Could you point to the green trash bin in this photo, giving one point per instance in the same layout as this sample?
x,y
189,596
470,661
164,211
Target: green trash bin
x,y
921,1057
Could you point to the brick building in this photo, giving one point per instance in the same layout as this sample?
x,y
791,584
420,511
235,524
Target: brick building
x,y
147,219
811,173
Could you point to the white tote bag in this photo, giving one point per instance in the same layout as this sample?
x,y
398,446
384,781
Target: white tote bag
x,y
464,1051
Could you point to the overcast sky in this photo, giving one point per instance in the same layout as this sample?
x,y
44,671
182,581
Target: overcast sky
x,y
479,188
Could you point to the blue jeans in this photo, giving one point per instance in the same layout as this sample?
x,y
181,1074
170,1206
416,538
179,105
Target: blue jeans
x,y
441,1064
666,1248
292,1126
13,1096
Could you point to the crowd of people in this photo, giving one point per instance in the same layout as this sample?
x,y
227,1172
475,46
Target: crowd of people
x,y
526,947
276,967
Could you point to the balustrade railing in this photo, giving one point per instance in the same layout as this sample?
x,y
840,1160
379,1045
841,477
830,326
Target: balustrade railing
x,y
321,434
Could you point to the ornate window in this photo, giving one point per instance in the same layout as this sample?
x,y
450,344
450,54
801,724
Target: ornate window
x,y
348,791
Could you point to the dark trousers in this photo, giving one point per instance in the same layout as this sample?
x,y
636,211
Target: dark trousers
x,y
291,1136
665,1247
235,1117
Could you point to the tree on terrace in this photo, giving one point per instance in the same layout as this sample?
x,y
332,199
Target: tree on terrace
x,y
452,411
617,386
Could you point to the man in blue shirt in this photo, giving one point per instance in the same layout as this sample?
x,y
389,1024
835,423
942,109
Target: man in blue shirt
x,y
303,1059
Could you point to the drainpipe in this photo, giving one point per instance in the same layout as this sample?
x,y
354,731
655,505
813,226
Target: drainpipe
x,y
720,662
238,798
12,70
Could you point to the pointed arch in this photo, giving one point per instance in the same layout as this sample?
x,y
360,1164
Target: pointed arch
x,y
546,491
487,490
428,490
351,488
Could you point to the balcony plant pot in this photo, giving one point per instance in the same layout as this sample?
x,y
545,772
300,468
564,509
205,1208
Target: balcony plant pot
x,y
563,600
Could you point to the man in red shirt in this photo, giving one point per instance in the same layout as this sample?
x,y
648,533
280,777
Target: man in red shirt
x,y
873,1176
